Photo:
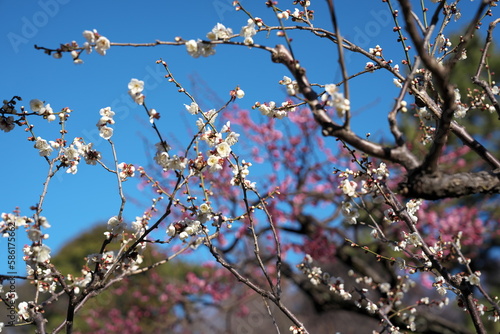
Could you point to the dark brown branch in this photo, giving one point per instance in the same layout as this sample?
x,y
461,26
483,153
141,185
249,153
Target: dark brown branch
x,y
475,79
398,154
341,58
459,131
440,185
442,77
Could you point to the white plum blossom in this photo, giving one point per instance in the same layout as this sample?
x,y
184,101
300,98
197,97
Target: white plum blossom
x,y
192,48
106,132
349,187
102,45
73,167
90,155
135,88
284,15
39,253
171,231
442,43
336,99
106,112
460,112
291,85
376,51
461,109
206,49
192,108
385,287
36,105
266,109
220,32
381,172
139,225
164,159
423,113
248,32
116,225
23,312
177,163
350,212
185,228
89,36
232,138
412,207
474,279
70,153
43,147
223,149
44,110
126,170
43,222
214,163
269,109
7,123
413,239
205,208
153,114
106,118
226,127
18,221
240,173
371,307
495,317
198,48
210,115
193,227
463,55
239,93
439,284
315,275
297,13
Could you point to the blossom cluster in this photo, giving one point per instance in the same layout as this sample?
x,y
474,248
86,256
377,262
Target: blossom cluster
x,y
336,99
185,228
69,155
167,162
291,85
248,32
42,109
106,118
271,110
135,88
197,48
317,277
126,170
94,39
36,253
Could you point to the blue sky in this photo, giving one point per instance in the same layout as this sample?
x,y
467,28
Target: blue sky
x,y
76,202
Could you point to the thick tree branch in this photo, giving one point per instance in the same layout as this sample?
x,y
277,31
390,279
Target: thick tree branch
x,y
398,154
440,185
